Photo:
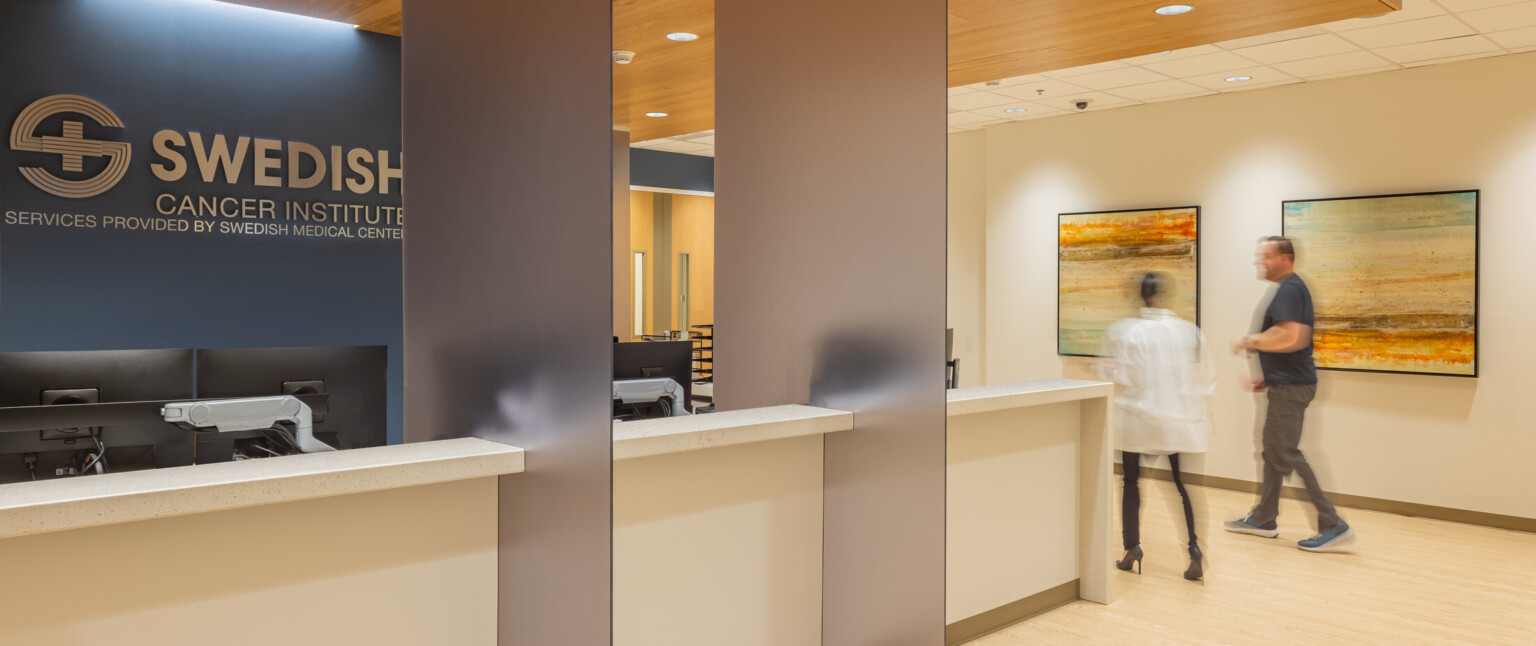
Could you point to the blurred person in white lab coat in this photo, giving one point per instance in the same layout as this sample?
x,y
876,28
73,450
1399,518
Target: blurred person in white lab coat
x,y
1164,378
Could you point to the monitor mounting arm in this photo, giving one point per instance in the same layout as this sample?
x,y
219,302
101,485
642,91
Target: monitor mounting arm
x,y
248,414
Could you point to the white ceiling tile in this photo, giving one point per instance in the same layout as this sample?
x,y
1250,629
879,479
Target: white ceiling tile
x,y
954,130
969,126
1328,65
1159,90
1438,49
978,100
1515,38
1412,10
1187,52
1098,101
960,90
960,119
1182,96
1007,82
695,136
1086,69
710,140
1198,65
1459,6
1453,59
1042,89
1031,109
1275,37
1369,70
1118,78
1501,18
1523,50
682,147
1298,49
1261,77
1403,33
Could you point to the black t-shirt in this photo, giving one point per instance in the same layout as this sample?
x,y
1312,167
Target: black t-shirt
x,y
1293,302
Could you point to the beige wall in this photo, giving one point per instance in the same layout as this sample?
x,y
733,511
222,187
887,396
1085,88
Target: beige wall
x,y
968,253
1011,506
1451,442
719,546
402,567
642,231
693,232
622,317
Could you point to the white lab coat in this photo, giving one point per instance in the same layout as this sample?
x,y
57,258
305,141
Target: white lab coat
x,y
1164,378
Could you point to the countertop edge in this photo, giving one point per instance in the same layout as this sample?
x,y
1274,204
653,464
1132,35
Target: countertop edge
x,y
986,399
783,422
219,490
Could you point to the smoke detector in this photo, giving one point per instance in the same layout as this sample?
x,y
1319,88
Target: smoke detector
x,y
622,57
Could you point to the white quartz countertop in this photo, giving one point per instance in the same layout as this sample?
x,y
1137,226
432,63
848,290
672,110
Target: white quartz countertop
x,y
73,503
638,439
985,399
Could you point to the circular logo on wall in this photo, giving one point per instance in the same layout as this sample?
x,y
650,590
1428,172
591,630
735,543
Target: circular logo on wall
x,y
71,145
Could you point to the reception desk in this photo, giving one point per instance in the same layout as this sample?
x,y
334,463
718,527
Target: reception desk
x,y
1028,501
717,527
386,545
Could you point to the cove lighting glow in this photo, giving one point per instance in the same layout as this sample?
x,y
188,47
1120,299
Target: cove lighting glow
x,y
655,114
1014,110
1166,51
1174,9
682,36
1238,79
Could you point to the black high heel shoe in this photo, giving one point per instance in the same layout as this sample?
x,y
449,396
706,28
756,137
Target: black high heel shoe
x,y
1132,555
1196,570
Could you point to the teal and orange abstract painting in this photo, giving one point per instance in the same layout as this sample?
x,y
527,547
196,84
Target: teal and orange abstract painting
x,y
1393,280
1100,259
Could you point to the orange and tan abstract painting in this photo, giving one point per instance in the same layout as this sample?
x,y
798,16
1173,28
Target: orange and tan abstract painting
x,y
1100,258
1393,280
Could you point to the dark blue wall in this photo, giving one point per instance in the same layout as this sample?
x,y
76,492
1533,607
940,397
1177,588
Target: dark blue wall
x,y
661,169
194,65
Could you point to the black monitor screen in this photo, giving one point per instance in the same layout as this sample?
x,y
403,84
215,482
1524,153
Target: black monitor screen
x,y
98,376
646,359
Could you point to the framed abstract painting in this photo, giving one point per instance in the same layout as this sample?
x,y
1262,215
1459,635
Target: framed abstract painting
x,y
1099,257
1393,280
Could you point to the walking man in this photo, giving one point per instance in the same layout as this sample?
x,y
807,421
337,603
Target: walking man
x,y
1284,346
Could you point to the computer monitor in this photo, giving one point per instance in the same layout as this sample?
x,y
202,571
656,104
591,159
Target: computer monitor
x,y
98,376
644,359
352,377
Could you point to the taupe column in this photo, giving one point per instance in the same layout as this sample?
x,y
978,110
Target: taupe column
x,y
830,185
507,283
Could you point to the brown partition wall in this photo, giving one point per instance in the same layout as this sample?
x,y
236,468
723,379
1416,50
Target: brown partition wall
x,y
508,141
830,185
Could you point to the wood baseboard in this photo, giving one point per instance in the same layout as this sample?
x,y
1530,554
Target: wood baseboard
x,y
1416,510
1002,617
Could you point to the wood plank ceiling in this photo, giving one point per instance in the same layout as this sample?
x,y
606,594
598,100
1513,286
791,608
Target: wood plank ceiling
x,y
988,39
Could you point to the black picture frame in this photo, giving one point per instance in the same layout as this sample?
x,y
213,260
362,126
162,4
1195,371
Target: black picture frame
x,y
1477,278
1196,208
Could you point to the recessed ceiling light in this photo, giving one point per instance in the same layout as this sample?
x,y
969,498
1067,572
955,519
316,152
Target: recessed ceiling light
x,y
1238,79
1174,9
682,36
1014,110
655,114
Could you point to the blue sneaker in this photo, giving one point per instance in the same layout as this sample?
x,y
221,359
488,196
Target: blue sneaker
x,y
1245,525
1329,539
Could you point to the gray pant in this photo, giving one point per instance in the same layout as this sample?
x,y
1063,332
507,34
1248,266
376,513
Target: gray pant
x,y
1282,455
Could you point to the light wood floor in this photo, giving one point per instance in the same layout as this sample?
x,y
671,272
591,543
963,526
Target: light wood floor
x,y
1408,581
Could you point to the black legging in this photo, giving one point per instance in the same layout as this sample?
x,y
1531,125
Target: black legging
x,y
1130,504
